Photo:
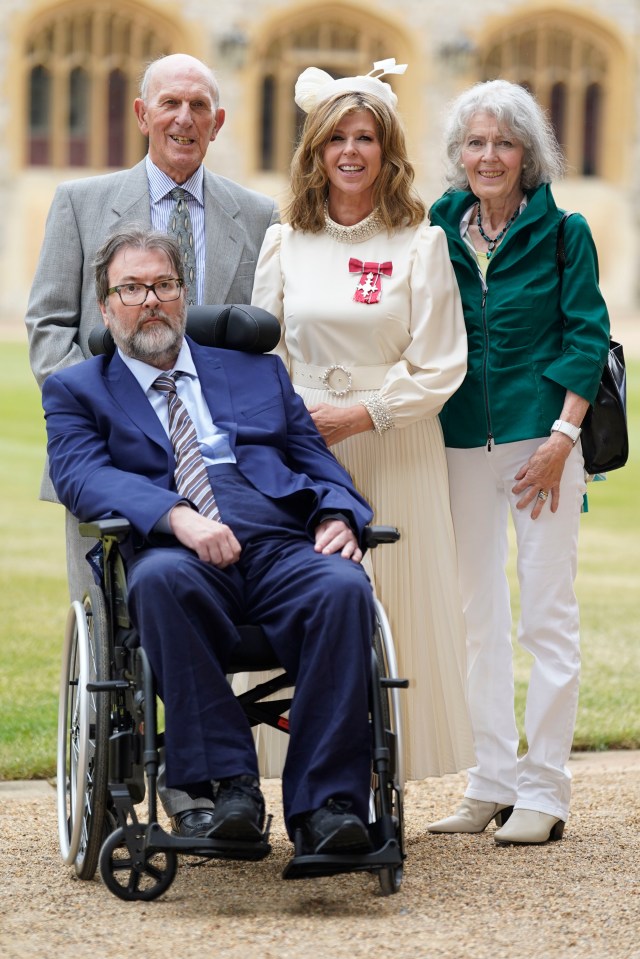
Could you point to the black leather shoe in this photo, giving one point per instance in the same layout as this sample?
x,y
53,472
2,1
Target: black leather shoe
x,y
334,828
239,810
192,823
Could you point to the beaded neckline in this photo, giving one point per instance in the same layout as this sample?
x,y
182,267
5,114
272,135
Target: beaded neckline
x,y
363,230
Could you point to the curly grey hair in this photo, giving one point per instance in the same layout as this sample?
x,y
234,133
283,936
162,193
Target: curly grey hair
x,y
517,112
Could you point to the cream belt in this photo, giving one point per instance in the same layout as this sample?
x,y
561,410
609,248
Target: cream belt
x,y
339,379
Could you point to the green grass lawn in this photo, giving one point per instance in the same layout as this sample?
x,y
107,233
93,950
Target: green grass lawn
x,y
33,597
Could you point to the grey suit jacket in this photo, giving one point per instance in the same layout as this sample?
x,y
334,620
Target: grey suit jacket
x,y
62,308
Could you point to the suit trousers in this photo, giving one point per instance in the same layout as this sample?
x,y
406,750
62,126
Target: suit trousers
x,y
317,613
481,500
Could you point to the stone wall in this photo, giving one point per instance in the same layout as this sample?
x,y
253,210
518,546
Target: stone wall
x,y
432,30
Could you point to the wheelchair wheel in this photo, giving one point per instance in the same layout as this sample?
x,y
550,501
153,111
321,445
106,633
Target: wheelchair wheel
x,y
388,797
390,880
83,734
388,665
143,877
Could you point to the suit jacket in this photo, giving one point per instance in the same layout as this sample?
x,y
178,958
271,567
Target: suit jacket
x,y
109,454
62,308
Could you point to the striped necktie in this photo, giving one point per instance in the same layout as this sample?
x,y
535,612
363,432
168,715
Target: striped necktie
x,y
192,479
180,228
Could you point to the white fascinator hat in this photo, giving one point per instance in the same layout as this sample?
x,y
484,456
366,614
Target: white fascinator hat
x,y
314,85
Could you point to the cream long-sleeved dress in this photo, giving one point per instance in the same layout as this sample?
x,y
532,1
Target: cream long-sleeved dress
x,y
407,353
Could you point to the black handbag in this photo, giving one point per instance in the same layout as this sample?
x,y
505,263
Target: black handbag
x,y
605,438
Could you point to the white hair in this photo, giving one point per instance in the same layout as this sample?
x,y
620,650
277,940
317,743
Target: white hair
x,y
516,111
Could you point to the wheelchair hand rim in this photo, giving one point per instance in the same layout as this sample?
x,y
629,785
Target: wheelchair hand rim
x,y
76,635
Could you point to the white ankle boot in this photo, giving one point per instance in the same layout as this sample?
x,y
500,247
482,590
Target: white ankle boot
x,y
474,815
530,826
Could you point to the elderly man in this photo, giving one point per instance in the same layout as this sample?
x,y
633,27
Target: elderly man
x,y
221,225
215,447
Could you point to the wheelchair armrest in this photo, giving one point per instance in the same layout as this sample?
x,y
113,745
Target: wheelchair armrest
x,y
116,526
120,528
377,535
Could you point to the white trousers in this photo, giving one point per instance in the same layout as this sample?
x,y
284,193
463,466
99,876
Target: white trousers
x,y
481,498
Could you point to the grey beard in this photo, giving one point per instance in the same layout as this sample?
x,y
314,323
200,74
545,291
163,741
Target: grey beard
x,y
154,346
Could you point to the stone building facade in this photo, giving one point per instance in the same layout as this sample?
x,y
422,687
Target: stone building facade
x,y
69,71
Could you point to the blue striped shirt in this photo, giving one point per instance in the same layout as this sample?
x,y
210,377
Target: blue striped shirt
x,y
160,186
214,442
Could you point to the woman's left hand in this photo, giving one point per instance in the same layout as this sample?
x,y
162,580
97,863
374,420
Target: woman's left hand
x,y
337,423
543,472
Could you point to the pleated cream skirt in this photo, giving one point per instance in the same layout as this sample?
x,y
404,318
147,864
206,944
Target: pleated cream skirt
x,y
403,475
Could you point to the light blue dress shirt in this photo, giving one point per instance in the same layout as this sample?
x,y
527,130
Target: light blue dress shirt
x,y
162,205
214,442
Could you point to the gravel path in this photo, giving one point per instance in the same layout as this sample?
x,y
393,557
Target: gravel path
x,y
461,896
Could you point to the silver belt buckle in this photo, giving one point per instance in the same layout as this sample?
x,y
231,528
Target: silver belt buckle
x,y
337,379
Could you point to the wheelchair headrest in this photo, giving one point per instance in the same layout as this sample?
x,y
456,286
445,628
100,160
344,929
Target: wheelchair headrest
x,y
230,326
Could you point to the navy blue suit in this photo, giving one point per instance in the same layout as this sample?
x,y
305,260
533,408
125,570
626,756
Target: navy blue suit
x,y
109,455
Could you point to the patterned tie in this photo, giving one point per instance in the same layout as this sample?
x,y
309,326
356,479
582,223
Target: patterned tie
x,y
179,227
192,479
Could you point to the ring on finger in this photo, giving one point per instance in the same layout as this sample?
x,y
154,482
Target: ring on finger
x,y
543,494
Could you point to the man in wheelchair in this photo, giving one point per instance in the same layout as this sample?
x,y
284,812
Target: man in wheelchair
x,y
239,514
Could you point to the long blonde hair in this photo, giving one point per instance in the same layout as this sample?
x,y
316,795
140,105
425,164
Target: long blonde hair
x,y
393,193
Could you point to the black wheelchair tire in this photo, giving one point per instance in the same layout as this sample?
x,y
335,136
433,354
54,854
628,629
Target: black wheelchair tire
x,y
96,787
83,734
146,879
390,880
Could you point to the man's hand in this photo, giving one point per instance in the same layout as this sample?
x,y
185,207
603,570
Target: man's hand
x,y
212,541
334,535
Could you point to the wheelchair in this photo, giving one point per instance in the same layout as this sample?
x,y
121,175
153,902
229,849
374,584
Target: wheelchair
x,y
108,737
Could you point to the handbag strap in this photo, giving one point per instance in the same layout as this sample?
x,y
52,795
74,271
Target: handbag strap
x,y
560,255
560,262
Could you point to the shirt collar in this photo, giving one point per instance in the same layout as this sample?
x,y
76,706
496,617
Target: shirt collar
x,y
146,374
160,184
466,218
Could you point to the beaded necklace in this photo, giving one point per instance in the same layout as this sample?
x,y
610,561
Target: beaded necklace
x,y
493,243
363,230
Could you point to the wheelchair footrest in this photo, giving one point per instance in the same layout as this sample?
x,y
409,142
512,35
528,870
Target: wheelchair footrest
x,y
330,864
251,851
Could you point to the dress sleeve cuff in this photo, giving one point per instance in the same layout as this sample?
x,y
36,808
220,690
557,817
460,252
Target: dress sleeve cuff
x,y
379,412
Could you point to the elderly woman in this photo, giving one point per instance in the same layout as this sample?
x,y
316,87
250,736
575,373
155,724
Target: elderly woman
x,y
374,340
537,345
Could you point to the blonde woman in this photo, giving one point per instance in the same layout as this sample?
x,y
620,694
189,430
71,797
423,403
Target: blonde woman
x,y
374,340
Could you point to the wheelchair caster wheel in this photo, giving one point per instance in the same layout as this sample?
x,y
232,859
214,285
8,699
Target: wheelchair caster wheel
x,y
390,880
145,876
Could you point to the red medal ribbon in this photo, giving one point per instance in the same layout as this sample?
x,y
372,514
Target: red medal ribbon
x,y
369,289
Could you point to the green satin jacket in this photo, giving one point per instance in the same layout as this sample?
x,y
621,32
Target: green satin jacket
x,y
531,336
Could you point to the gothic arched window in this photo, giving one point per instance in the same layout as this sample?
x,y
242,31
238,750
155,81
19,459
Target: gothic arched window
x,y
39,116
338,41
568,65
79,92
83,65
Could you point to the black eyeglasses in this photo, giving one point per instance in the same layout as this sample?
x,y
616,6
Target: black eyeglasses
x,y
135,294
